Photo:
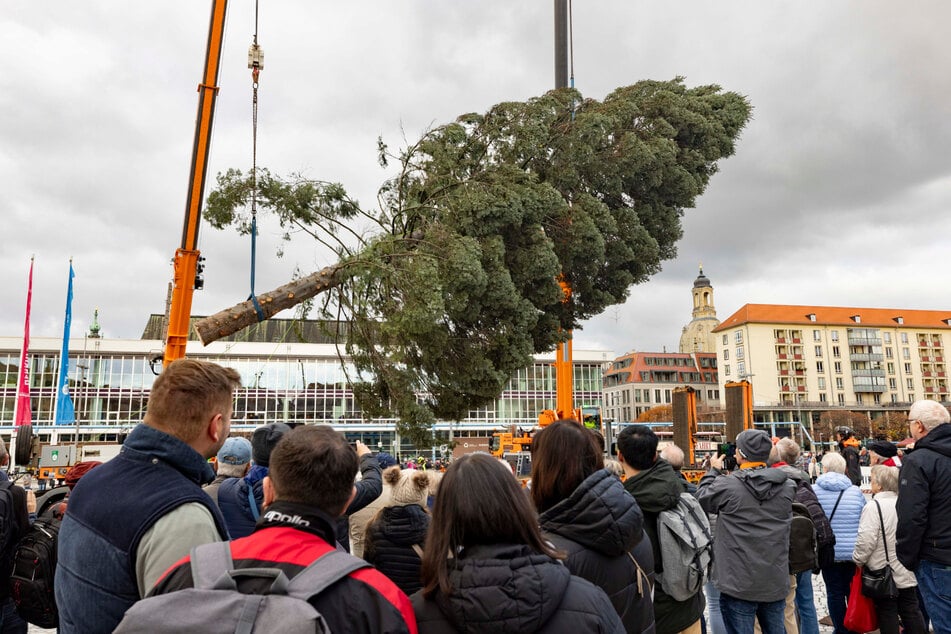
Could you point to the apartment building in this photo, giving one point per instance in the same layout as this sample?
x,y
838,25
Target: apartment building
x,y
816,357
638,381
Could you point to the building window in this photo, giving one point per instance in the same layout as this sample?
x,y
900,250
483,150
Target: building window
x,y
834,335
841,399
904,337
822,383
894,398
657,396
817,335
877,398
820,367
741,369
838,382
907,368
838,367
891,368
726,354
905,353
726,340
738,336
818,351
887,336
739,353
892,384
726,370
910,383
835,352
888,353
822,398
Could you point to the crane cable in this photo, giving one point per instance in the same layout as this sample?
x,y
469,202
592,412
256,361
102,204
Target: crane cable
x,y
256,64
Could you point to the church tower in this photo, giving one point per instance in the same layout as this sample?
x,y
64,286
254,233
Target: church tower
x,y
696,336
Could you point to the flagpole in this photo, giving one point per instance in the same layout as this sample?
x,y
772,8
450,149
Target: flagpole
x,y
21,406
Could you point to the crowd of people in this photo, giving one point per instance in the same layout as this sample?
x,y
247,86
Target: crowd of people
x,y
585,547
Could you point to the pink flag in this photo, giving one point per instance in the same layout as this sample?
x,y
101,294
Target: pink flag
x,y
24,415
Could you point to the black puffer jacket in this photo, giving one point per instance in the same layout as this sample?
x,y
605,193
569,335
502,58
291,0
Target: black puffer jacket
x,y
389,544
924,501
599,526
511,589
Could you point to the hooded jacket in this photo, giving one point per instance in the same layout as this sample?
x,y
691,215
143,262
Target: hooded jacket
x,y
751,548
806,496
600,526
509,589
390,538
658,489
845,522
924,501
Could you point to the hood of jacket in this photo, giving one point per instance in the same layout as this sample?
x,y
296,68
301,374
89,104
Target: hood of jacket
x,y
656,489
503,588
764,483
599,515
833,481
404,525
938,439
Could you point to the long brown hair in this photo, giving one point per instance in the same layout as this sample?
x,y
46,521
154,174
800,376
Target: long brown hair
x,y
563,455
479,502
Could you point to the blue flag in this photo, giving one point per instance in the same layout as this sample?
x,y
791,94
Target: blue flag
x,y
65,414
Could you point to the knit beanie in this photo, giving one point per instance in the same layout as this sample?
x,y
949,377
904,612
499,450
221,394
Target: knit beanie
x,y
263,440
754,444
412,488
883,448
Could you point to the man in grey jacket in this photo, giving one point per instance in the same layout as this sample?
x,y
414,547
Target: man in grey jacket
x,y
751,549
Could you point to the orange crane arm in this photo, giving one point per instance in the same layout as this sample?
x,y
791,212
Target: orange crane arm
x,y
187,262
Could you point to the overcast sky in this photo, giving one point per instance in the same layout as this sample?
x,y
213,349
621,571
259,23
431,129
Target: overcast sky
x,y
839,193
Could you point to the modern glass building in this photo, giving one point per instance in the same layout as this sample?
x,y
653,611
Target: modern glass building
x,y
283,379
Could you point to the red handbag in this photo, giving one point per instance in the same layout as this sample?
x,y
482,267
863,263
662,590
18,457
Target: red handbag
x,y
860,615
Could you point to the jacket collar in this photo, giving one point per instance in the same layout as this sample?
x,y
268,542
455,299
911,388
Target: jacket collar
x,y
145,443
300,516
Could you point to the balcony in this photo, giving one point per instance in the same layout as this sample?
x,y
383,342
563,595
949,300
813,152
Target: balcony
x,y
784,373
922,344
796,340
782,355
800,372
797,356
867,372
866,357
869,388
930,390
801,388
865,341
925,358
780,339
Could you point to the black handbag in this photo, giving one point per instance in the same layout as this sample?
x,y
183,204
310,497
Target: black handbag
x,y
880,584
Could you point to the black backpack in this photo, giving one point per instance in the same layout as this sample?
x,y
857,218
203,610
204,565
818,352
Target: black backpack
x,y
34,564
803,546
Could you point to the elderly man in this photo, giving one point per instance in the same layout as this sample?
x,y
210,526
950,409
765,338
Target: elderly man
x,y
751,549
924,509
132,518
233,460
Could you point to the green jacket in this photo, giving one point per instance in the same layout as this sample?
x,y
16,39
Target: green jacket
x,y
658,489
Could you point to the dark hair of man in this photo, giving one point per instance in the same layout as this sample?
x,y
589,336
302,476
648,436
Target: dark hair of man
x,y
316,466
479,501
638,445
563,455
187,394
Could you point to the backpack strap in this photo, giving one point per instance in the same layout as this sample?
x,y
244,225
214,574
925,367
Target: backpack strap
x,y
324,572
418,550
255,513
837,500
209,563
881,521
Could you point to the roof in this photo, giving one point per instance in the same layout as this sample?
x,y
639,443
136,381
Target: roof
x,y
270,330
837,315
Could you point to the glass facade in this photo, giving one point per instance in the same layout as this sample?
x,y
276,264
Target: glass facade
x,y
112,388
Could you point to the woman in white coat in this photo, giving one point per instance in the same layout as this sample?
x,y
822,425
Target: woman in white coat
x,y
875,549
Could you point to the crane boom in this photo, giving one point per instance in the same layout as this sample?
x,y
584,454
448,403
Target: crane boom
x,y
187,262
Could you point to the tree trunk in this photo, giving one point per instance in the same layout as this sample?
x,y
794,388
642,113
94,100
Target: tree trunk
x,y
231,320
